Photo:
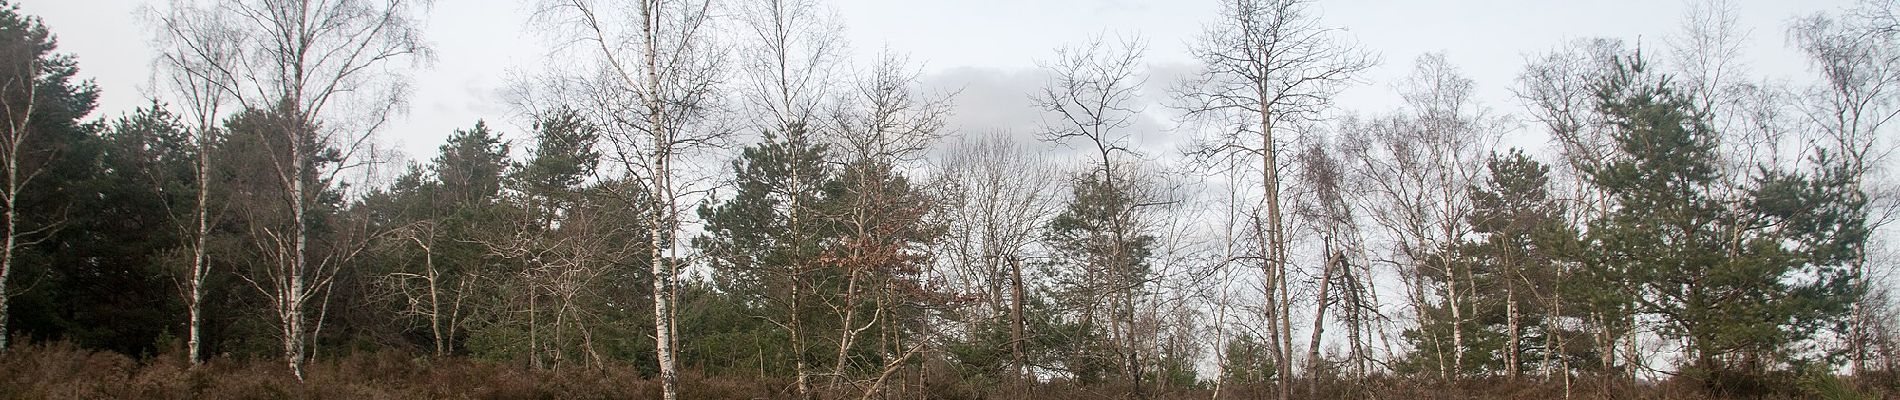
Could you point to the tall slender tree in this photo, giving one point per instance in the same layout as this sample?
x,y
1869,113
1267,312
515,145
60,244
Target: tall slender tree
x,y
330,74
1093,96
652,97
1856,96
41,100
1268,67
190,68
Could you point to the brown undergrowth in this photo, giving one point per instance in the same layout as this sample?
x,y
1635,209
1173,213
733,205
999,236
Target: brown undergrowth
x,y
63,371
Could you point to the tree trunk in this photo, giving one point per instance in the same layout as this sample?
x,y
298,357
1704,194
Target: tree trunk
x,y
1417,293
15,141
1275,254
1457,320
1510,311
801,370
1017,357
534,328
848,334
1220,336
1319,324
1551,344
199,268
435,299
662,309
660,225
1857,312
794,316
292,301
12,239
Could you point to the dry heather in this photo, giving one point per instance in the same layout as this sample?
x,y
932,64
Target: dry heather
x,y
63,371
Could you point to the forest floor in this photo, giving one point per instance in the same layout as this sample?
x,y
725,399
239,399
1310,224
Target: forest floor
x,y
62,371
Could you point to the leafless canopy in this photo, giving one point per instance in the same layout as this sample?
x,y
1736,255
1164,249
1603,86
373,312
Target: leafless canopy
x,y
1266,57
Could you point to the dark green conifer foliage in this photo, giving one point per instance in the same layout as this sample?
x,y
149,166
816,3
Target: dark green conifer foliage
x,y
1100,263
1742,283
766,246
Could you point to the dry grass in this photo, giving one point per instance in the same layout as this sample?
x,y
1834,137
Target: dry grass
x,y
62,371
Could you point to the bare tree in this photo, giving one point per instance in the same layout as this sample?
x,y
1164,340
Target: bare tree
x,y
429,294
1707,52
883,124
1418,165
1093,93
995,198
1857,95
327,68
1328,210
652,94
792,49
195,44
1269,67
571,255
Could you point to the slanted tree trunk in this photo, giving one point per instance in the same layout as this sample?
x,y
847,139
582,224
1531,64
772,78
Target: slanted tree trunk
x,y
1313,361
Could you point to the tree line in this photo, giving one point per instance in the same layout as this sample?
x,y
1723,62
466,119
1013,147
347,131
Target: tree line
x,y
715,187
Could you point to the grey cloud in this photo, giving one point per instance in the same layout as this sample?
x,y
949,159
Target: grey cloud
x,y
993,100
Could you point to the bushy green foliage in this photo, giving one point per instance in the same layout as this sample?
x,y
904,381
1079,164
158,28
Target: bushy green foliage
x,y
1741,282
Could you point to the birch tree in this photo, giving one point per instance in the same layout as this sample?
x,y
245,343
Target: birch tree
x,y
652,92
1268,68
195,44
38,98
1856,96
792,50
995,194
333,74
1418,164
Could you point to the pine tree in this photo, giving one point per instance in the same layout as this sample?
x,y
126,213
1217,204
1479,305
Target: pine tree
x,y
1523,238
1101,267
41,104
1739,282
765,242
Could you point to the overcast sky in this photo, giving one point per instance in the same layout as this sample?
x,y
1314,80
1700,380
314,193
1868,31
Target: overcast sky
x,y
984,48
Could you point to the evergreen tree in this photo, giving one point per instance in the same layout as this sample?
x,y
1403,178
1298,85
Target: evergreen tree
x,y
1518,264
1101,265
429,261
1738,281
766,243
106,269
43,146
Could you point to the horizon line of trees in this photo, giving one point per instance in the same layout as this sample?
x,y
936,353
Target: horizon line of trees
x,y
715,188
